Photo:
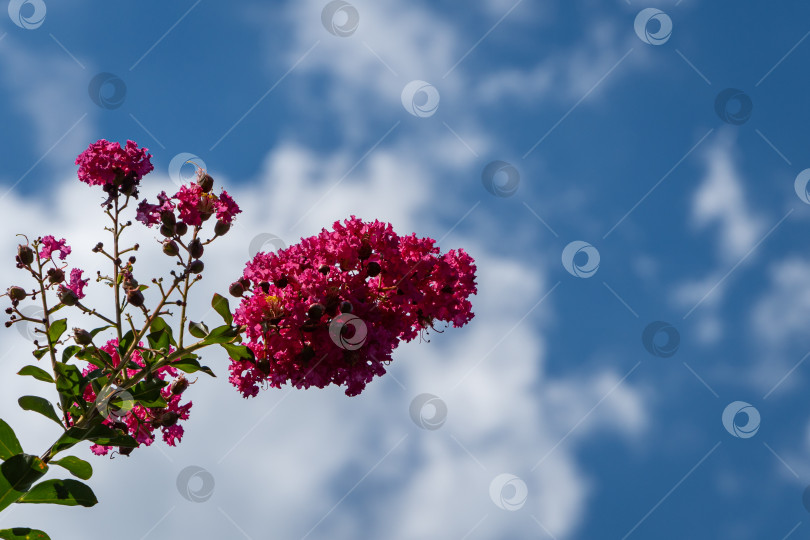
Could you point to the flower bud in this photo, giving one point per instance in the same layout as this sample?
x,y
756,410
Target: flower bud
x,y
221,228
323,269
195,248
25,255
56,275
169,418
196,266
245,282
16,293
167,218
205,181
265,287
170,248
373,269
125,450
180,228
167,230
179,386
135,297
236,289
365,251
316,311
281,282
82,337
67,296
346,307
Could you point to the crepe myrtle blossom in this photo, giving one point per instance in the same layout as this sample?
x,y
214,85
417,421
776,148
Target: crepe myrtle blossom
x,y
49,245
105,163
303,305
138,421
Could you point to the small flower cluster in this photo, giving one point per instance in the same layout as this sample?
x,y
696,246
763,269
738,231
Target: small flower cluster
x,y
331,309
194,204
105,163
139,421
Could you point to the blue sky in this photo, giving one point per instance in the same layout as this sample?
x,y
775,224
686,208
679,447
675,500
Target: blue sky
x,y
617,143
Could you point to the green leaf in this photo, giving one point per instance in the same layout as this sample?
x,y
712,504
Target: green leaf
x,y
126,341
99,434
37,373
198,330
159,324
17,474
222,334
221,306
23,533
39,353
69,380
40,405
64,492
56,330
9,445
69,352
160,339
190,365
147,393
239,352
95,331
77,467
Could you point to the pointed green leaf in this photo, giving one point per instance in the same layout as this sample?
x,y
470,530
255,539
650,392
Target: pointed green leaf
x,y
221,306
147,393
77,467
16,476
159,324
40,405
69,352
9,445
23,533
95,331
190,365
56,330
39,353
239,352
37,373
65,492
160,339
222,334
198,330
69,379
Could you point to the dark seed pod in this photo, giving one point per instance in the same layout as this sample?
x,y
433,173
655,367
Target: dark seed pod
x,y
180,228
346,307
265,287
196,266
316,311
179,386
206,182
82,337
332,304
195,248
221,228
167,230
364,252
125,450
25,254
167,218
135,297
68,297
373,269
323,269
236,289
169,418
16,293
56,275
281,282
170,248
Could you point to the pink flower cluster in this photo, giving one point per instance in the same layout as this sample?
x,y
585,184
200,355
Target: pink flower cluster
x,y
76,283
50,245
331,309
193,205
103,161
141,421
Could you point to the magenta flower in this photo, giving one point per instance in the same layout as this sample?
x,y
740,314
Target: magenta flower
x,y
149,214
331,309
226,207
76,283
141,422
50,244
189,203
104,161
